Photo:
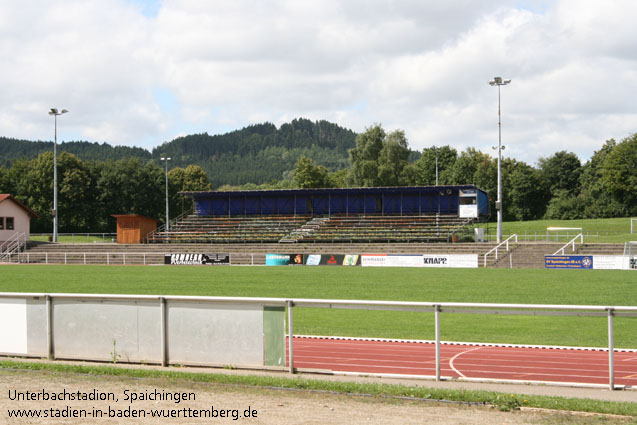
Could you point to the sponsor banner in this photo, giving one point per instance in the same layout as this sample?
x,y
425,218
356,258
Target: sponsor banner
x,y
196,259
427,260
332,260
611,262
283,259
464,261
568,261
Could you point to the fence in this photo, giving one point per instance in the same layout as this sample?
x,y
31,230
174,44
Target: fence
x,y
75,237
543,236
242,332
115,258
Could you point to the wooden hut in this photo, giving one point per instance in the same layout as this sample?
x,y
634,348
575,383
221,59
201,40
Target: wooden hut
x,y
133,228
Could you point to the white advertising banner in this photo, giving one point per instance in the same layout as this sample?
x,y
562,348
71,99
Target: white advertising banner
x,y
427,260
611,262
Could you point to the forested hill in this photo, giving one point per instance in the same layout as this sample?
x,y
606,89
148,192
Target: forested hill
x,y
256,154
14,149
261,153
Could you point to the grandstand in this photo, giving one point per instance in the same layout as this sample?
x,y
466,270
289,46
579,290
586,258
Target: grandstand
x,y
373,215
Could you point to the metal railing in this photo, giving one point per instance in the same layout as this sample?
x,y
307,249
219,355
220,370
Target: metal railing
x,y
115,258
174,221
571,242
436,307
15,244
76,237
495,249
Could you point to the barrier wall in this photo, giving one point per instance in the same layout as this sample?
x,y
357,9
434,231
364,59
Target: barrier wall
x,y
162,330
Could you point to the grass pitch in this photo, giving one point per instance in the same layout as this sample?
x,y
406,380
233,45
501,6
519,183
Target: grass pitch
x,y
590,287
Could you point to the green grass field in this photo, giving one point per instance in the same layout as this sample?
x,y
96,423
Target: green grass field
x,y
606,230
590,287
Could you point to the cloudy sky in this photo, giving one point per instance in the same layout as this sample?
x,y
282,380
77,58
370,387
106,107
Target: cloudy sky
x,y
142,72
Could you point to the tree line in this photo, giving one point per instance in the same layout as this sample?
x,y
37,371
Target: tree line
x,y
90,190
560,187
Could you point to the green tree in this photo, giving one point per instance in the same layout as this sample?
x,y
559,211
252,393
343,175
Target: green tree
x,y
379,159
596,197
425,166
364,157
527,194
619,173
562,171
307,175
393,158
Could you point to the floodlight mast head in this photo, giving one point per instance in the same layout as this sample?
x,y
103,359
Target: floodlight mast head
x,y
498,81
55,112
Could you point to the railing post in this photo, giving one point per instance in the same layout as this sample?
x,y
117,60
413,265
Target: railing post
x,y
49,328
65,258
85,258
437,331
164,351
290,336
611,351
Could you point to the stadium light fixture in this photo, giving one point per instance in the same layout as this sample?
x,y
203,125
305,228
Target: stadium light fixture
x,y
54,112
498,81
167,219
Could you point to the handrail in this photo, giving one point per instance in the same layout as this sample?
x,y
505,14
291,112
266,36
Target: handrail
x,y
506,241
13,244
163,226
572,241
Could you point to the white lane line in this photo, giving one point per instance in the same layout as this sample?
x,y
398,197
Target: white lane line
x,y
458,355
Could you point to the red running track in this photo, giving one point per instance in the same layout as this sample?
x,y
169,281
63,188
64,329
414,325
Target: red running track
x,y
556,365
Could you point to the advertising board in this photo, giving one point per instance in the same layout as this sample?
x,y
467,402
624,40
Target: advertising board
x,y
196,259
568,261
420,260
332,260
283,259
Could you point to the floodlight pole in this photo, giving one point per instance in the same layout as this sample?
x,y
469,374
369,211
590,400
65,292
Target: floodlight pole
x,y
167,219
498,81
55,114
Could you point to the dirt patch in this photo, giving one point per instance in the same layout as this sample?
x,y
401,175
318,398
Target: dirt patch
x,y
213,403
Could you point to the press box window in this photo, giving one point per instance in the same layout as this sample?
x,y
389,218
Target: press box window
x,y
1,223
9,223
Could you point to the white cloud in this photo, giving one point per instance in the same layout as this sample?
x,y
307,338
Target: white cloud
x,y
412,65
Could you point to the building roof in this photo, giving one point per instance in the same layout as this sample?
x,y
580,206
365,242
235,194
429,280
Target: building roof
x,y
326,191
5,196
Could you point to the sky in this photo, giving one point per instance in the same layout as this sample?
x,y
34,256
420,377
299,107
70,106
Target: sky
x,y
143,72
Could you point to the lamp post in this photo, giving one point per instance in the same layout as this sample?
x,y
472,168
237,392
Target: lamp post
x,y
167,219
498,81
55,114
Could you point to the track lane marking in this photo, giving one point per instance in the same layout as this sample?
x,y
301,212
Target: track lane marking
x,y
458,355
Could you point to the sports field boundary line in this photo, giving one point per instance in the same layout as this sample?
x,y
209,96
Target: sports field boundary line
x,y
475,344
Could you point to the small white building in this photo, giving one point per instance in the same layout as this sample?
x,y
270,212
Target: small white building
x,y
15,218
